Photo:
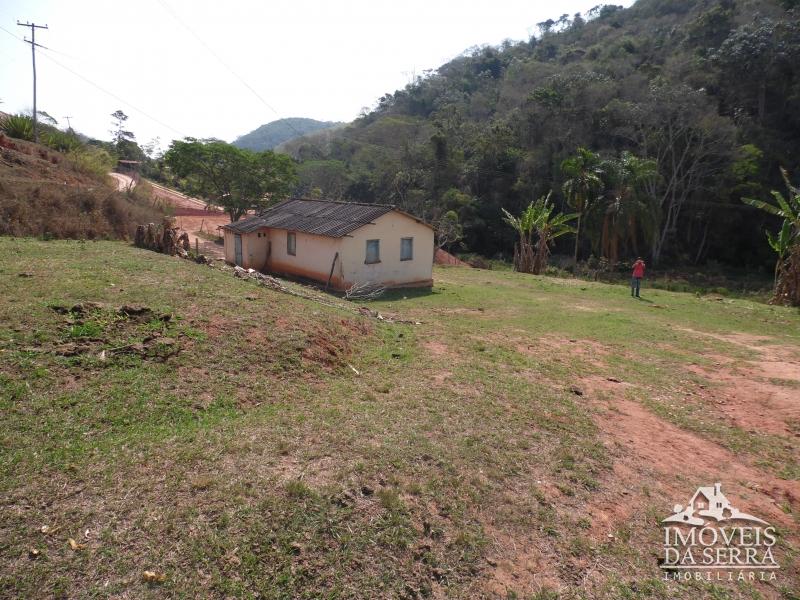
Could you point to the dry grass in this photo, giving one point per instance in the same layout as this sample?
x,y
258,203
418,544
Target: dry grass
x,y
44,194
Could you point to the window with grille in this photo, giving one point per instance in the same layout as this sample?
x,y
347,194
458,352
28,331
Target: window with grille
x,y
407,249
291,244
373,251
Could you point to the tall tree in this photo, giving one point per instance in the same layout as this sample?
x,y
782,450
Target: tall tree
x,y
582,186
629,209
765,50
238,180
679,129
124,141
119,132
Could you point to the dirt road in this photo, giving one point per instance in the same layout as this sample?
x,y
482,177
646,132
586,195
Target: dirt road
x,y
124,182
196,218
200,228
192,215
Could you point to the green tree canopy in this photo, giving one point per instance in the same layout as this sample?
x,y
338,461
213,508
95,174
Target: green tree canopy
x,y
238,180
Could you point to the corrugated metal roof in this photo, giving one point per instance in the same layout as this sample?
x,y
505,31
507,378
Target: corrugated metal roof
x,y
320,217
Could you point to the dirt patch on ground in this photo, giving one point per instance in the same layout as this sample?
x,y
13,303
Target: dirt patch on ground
x,y
458,311
332,345
316,472
750,401
595,308
588,351
216,326
437,348
656,464
288,345
649,449
442,356
761,393
517,564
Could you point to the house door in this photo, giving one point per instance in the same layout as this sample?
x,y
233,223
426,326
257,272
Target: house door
x,y
237,249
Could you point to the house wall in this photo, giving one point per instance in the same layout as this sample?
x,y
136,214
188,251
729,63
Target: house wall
x,y
227,238
313,258
390,271
254,249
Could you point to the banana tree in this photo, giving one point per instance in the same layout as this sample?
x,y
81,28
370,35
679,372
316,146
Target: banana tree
x,y
537,217
523,249
548,226
786,243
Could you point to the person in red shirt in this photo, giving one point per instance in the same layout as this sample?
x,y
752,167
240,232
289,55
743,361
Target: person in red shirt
x,y
636,278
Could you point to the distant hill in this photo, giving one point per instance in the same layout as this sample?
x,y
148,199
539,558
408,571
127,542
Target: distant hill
x,y
275,133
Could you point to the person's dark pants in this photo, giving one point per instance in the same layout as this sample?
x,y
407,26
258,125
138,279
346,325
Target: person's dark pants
x,y
635,285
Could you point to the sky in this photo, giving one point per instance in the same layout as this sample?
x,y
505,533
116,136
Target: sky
x,y
204,68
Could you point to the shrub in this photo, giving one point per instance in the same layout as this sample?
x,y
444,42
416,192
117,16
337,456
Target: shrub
x,y
91,161
60,141
478,262
18,126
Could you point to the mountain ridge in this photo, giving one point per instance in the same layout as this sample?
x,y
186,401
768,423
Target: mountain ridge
x,y
270,135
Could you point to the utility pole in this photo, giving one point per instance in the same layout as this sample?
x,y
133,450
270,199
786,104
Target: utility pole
x,y
69,125
33,44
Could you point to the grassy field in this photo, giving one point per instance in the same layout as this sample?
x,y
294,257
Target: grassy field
x,y
196,435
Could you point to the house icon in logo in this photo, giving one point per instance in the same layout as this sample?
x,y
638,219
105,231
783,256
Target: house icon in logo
x,y
708,502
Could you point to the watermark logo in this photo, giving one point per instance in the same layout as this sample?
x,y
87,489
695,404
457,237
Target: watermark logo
x,y
712,540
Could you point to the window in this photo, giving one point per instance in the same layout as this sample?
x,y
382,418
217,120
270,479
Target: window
x,y
407,249
373,251
291,244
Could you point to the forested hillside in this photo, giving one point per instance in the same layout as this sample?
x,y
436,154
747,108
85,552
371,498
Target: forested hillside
x,y
706,92
273,134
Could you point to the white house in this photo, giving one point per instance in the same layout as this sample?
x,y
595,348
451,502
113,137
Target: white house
x,y
336,243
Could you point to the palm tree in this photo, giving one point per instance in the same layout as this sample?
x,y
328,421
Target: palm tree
x,y
787,243
629,207
585,180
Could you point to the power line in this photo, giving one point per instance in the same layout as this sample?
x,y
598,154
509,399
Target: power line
x,y
224,64
218,58
32,42
95,85
12,34
113,95
388,149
